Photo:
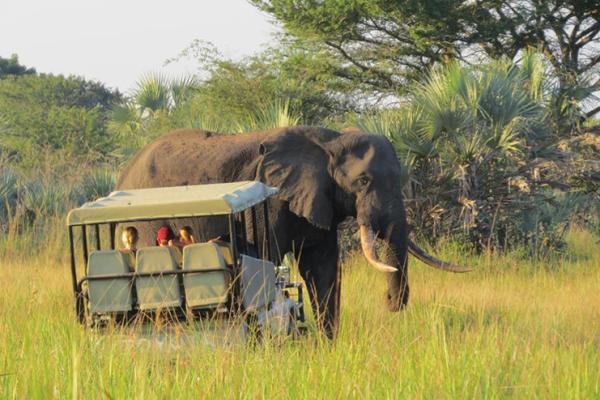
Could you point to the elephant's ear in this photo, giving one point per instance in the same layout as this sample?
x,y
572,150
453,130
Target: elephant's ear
x,y
298,166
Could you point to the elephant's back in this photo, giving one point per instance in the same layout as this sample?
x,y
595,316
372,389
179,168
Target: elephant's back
x,y
192,156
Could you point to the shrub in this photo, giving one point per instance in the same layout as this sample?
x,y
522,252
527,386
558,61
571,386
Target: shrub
x,y
98,183
481,156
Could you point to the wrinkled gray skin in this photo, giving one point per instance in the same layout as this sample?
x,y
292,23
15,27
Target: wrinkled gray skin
x,y
324,176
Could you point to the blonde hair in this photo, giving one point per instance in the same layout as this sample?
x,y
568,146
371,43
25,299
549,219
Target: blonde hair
x,y
130,234
187,234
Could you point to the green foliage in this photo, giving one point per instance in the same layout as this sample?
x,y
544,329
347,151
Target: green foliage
x,y
10,66
46,118
8,192
235,97
95,184
35,199
45,198
379,46
231,90
473,142
275,115
158,104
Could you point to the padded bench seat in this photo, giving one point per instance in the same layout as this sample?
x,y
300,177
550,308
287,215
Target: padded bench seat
x,y
157,292
109,295
205,289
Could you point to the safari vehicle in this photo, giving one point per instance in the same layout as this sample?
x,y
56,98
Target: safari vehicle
x,y
211,278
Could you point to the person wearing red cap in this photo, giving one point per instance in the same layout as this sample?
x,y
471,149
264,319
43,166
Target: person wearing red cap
x,y
165,236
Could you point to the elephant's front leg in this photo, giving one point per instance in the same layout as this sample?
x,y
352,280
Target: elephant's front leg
x,y
320,270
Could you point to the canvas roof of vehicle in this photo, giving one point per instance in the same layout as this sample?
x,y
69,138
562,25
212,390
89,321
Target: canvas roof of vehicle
x,y
172,202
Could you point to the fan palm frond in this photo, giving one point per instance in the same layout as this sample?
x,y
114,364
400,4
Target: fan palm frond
x,y
153,93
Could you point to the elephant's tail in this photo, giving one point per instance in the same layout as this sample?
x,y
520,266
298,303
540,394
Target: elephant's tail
x,y
432,261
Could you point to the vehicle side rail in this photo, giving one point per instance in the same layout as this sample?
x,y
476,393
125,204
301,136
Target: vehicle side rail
x,y
132,275
149,274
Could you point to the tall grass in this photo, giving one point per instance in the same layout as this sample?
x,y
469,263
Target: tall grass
x,y
33,209
510,329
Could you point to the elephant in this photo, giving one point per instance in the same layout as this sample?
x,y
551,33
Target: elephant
x,y
323,177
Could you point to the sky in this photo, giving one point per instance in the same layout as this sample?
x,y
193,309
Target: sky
x,y
118,41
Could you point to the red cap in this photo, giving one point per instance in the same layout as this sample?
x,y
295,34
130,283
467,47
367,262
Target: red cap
x,y
164,233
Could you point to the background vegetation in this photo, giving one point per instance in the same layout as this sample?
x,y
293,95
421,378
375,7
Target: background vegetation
x,y
490,106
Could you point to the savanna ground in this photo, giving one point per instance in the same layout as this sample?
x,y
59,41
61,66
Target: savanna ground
x,y
512,328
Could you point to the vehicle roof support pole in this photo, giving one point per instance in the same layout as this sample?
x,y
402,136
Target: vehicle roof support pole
x,y
112,228
267,243
84,243
254,229
243,229
73,267
237,290
97,231
232,240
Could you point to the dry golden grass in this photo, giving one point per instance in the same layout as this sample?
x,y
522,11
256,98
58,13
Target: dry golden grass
x,y
512,328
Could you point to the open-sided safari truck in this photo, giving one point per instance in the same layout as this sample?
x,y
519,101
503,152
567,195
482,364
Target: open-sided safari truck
x,y
205,278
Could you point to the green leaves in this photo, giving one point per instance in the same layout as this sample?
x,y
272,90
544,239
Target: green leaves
x,y
95,184
150,109
471,140
50,119
11,67
379,47
152,94
275,115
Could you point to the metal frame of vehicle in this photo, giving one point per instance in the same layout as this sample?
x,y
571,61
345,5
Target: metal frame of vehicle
x,y
95,215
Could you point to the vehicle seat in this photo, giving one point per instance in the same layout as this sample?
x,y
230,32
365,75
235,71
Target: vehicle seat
x,y
176,251
110,295
129,259
205,289
258,283
157,291
226,252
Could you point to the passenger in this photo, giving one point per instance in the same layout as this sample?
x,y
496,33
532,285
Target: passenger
x,y
129,238
165,236
186,236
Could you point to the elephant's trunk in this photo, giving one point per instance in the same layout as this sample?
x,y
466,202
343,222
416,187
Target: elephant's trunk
x,y
367,241
432,261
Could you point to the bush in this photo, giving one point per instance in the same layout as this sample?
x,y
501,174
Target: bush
x,y
481,156
8,194
50,119
98,183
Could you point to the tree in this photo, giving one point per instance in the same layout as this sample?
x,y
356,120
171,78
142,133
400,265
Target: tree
x,y
11,66
235,89
54,118
480,156
381,45
568,32
150,109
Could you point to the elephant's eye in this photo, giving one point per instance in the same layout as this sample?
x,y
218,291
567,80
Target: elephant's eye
x,y
363,180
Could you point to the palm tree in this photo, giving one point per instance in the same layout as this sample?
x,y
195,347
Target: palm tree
x,y
471,140
155,99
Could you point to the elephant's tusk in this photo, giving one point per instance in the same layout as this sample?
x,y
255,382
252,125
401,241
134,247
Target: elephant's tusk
x,y
367,239
432,261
